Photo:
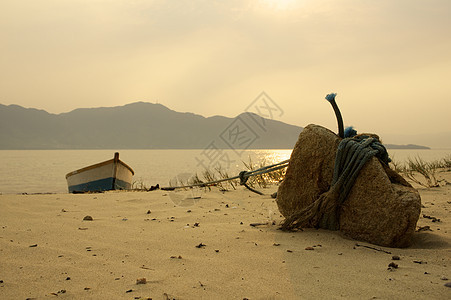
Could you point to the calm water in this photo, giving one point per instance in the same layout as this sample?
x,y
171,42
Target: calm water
x,y
43,171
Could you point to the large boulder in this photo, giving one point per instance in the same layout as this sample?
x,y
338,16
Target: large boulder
x,y
381,208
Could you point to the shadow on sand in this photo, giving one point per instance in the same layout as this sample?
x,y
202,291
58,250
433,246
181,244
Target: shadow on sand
x,y
429,240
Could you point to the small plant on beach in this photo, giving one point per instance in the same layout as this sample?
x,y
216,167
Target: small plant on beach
x,y
446,162
139,185
219,174
224,175
263,180
427,170
397,166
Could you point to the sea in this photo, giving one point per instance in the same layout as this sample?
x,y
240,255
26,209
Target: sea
x,y
44,171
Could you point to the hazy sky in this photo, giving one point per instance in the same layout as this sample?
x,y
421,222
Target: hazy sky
x,y
388,60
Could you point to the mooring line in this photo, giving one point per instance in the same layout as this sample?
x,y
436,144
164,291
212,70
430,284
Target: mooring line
x,y
243,176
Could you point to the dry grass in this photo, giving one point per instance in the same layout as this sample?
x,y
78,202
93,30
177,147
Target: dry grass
x,y
139,185
218,173
417,167
263,180
416,170
446,162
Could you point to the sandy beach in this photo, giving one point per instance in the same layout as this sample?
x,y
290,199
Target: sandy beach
x,y
163,245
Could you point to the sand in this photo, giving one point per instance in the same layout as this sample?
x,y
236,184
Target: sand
x,y
205,248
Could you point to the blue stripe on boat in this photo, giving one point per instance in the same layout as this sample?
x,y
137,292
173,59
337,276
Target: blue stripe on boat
x,y
100,185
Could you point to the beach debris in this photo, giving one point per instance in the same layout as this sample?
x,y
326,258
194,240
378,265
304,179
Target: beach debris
x,y
217,250
373,248
87,288
276,244
258,224
441,278
309,248
33,246
167,189
141,280
63,210
424,228
1,281
420,262
148,212
82,228
67,278
434,219
201,245
274,195
382,208
88,218
129,291
392,266
395,257
168,297
59,292
448,284
177,257
154,187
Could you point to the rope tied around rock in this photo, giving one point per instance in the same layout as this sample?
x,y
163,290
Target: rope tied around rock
x,y
351,156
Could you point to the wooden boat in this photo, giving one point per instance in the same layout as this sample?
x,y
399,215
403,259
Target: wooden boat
x,y
112,174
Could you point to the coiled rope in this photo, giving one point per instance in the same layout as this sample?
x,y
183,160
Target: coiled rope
x,y
352,154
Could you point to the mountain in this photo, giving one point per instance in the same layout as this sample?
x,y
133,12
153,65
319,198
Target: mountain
x,y
139,126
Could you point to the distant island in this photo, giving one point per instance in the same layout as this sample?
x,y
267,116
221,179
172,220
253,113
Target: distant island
x,y
408,146
143,125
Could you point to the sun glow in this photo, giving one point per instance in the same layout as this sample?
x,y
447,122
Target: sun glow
x,y
279,4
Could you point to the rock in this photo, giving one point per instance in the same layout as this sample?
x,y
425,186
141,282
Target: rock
x,y
381,208
88,218
392,265
201,245
310,170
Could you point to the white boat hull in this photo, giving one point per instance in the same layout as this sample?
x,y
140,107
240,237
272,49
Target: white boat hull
x,y
109,175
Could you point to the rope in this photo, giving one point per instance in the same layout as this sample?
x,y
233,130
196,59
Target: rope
x,y
243,176
352,155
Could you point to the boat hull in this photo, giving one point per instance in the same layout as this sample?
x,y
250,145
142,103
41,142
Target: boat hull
x,y
109,175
